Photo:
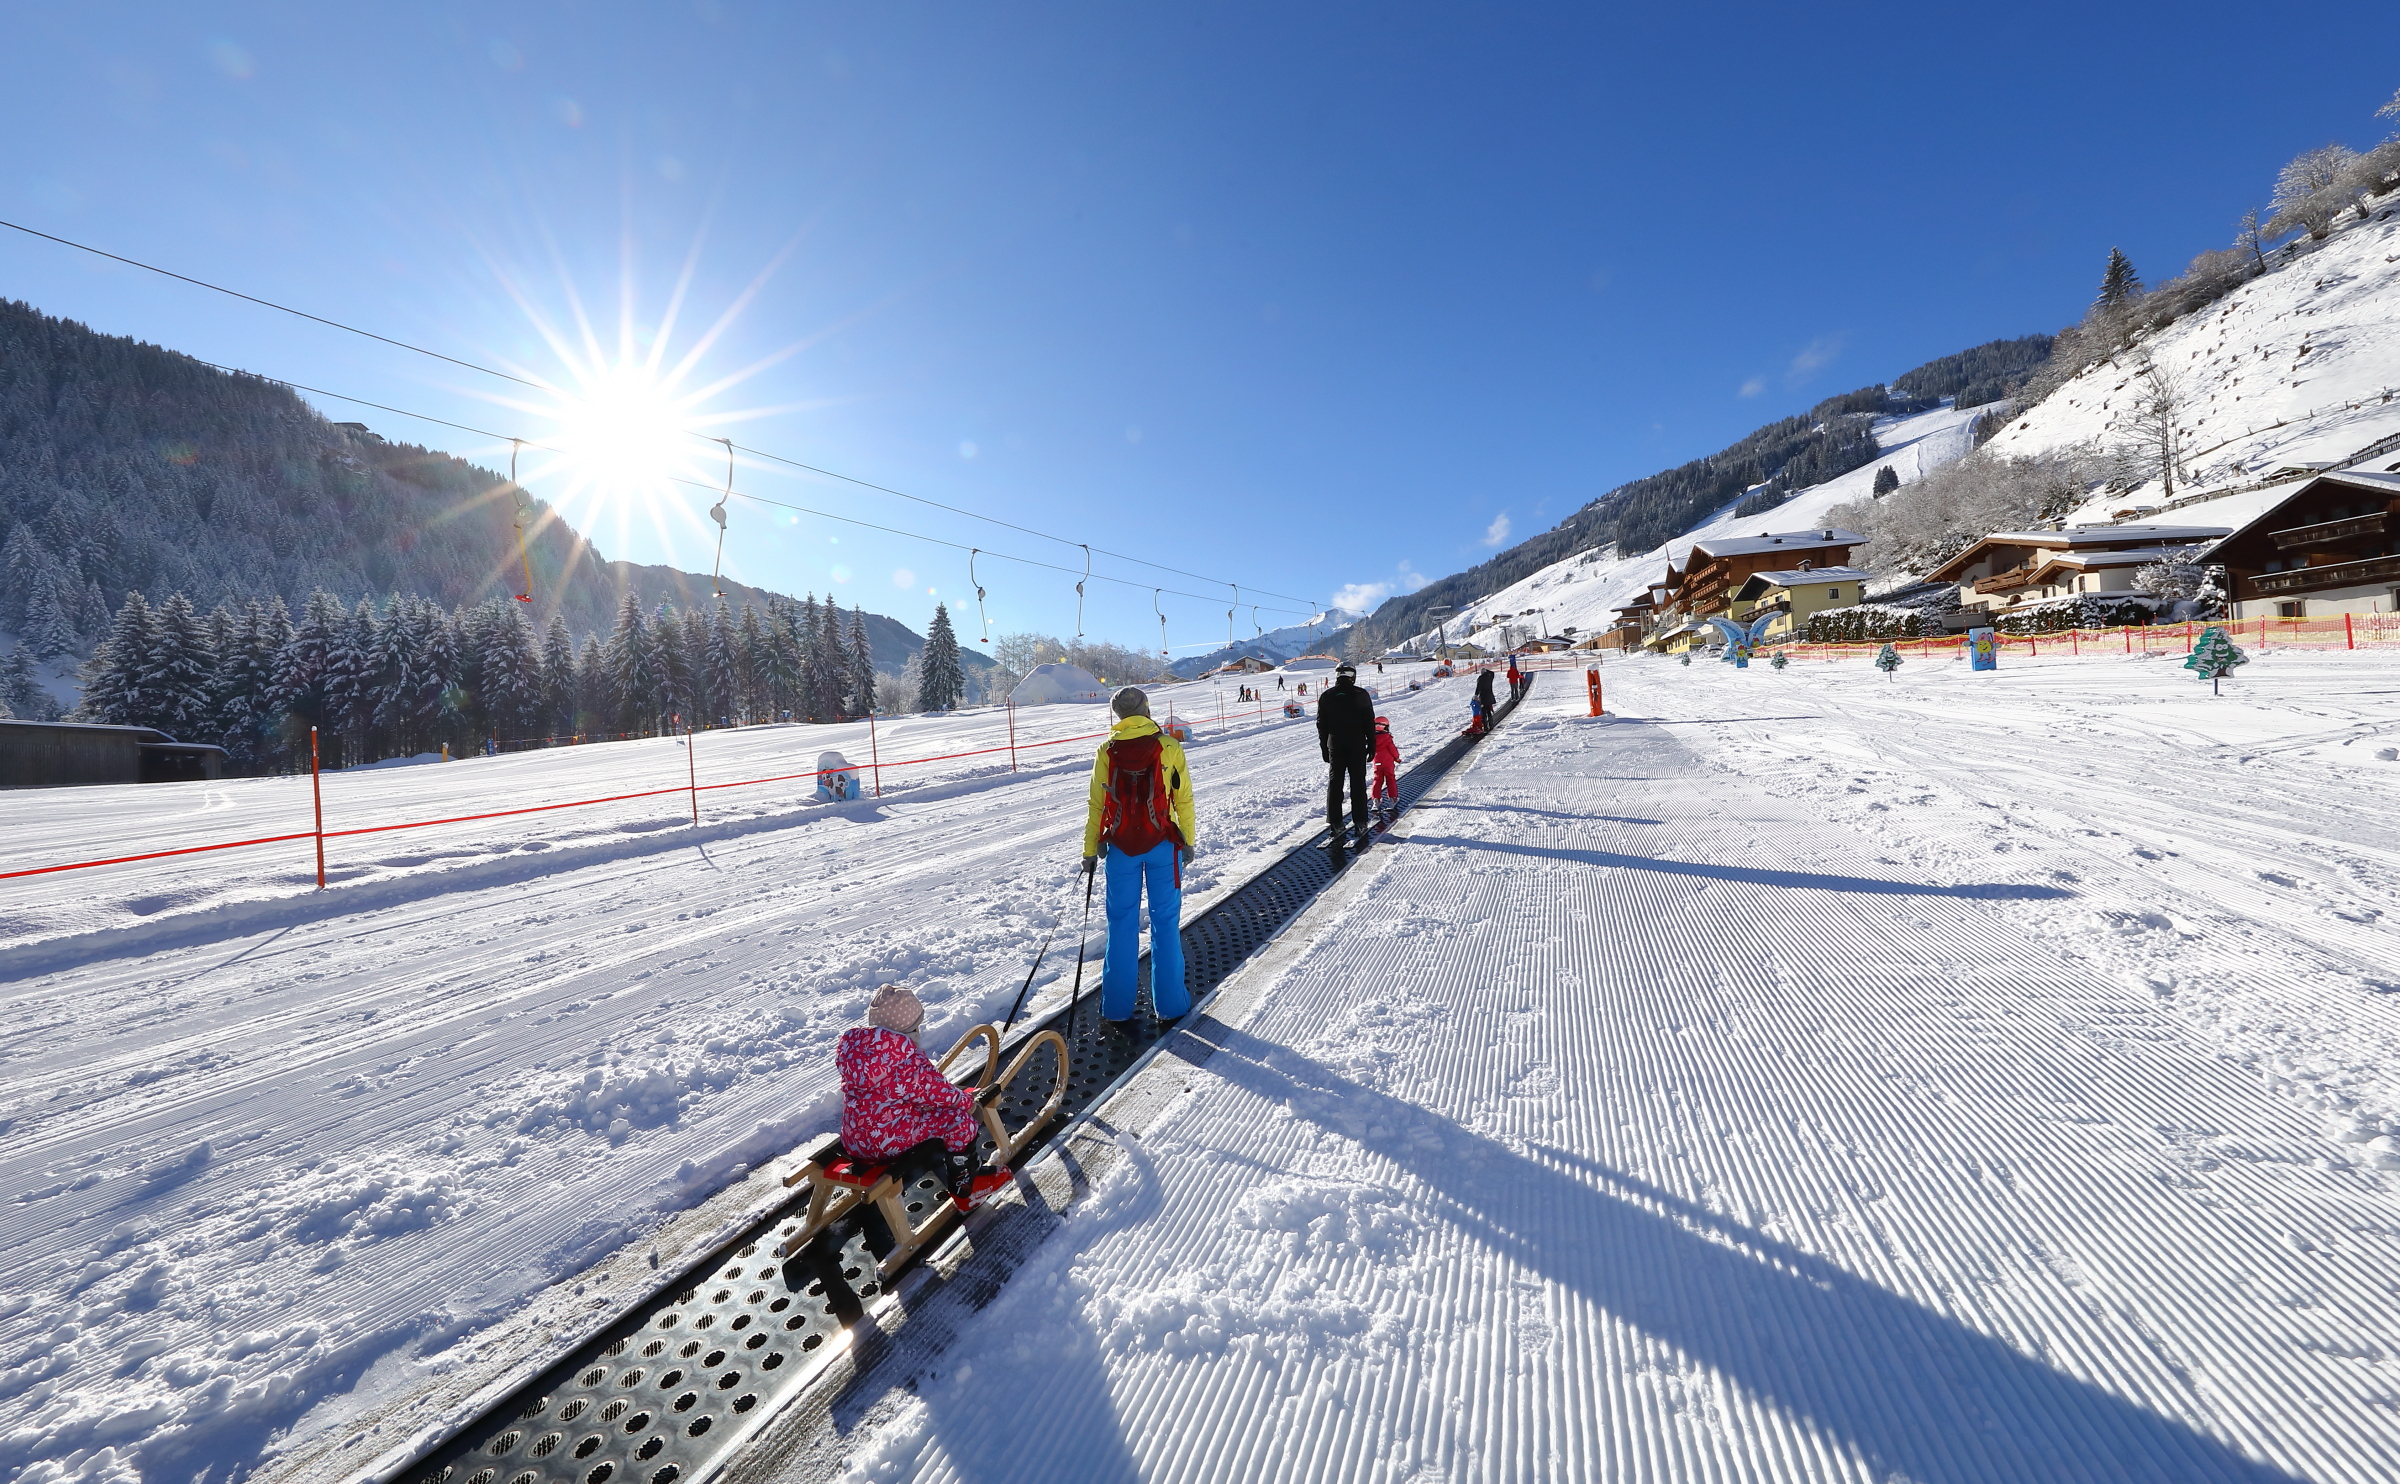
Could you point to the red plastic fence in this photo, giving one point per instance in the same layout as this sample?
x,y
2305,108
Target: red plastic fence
x,y
692,788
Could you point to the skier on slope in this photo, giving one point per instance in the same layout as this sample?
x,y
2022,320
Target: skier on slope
x,y
1484,701
897,1105
1345,735
1141,812
1386,788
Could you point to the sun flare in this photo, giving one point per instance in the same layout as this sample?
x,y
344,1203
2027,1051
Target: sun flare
x,y
623,434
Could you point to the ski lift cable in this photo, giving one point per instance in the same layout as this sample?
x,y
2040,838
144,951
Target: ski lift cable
x,y
852,520
562,392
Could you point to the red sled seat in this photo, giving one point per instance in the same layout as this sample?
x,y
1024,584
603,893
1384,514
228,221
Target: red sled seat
x,y
858,1174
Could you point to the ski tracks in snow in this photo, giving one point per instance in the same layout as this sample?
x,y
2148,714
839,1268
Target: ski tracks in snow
x,y
1631,1124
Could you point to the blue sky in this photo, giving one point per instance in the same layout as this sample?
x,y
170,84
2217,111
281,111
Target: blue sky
x,y
1305,298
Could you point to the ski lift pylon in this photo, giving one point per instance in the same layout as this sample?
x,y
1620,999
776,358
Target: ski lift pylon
x,y
716,512
524,509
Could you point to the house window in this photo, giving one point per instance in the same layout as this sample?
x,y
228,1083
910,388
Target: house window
x,y
1833,592
2287,610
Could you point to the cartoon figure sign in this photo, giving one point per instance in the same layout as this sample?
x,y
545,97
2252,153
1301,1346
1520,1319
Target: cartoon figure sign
x,y
1983,650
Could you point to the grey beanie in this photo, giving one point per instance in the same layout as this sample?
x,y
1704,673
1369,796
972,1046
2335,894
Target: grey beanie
x,y
1129,702
894,1009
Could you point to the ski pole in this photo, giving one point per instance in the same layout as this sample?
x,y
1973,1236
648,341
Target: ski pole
x,y
1029,973
1083,940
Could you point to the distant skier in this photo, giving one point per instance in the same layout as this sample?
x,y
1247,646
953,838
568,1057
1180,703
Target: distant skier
x,y
1141,811
1345,735
897,1105
1385,789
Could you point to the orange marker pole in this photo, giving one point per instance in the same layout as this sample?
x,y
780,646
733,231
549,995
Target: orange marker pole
x,y
874,755
1591,680
316,793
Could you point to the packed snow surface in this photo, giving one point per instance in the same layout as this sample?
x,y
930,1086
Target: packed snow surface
x,y
1795,1075
267,1146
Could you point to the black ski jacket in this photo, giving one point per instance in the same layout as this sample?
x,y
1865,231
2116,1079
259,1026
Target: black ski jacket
x,y
1345,721
1483,690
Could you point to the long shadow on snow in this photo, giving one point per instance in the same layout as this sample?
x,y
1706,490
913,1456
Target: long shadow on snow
x,y
1085,1438
1917,1393
1986,891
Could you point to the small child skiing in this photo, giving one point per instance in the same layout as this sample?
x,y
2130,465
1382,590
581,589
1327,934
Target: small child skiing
x,y
1386,789
897,1105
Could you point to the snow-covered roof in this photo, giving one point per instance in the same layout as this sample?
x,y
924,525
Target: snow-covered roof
x,y
1798,576
1724,546
2133,556
2382,484
2080,538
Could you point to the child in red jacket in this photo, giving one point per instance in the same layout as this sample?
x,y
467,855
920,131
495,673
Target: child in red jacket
x,y
896,1103
1386,788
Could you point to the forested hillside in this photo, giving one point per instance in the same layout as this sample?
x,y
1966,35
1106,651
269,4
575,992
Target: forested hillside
x,y
125,467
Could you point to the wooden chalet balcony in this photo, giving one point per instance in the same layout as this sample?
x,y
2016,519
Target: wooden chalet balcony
x,y
2327,533
2004,582
2333,574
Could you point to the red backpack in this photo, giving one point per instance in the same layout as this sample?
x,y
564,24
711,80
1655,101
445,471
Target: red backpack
x,y
1139,815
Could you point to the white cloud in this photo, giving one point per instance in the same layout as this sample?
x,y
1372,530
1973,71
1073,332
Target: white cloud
x,y
1361,597
1754,386
1816,356
1410,578
1497,531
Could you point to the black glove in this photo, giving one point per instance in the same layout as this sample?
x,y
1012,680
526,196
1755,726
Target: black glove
x,y
1090,863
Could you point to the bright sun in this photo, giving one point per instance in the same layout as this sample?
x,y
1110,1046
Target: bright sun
x,y
623,435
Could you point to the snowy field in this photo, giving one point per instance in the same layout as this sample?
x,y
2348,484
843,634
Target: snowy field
x,y
1793,1076
264,1142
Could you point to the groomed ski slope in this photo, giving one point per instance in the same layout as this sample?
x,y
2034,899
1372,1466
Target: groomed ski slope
x,y
1721,1091
276,1159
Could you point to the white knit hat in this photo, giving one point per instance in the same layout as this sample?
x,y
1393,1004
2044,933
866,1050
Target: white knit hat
x,y
893,1008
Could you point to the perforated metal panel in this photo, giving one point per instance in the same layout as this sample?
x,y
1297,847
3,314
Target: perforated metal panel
x,y
673,1387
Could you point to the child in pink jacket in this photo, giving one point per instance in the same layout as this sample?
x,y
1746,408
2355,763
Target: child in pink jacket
x,y
1386,788
895,1102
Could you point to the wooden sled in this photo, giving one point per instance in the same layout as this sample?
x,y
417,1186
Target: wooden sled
x,y
840,1186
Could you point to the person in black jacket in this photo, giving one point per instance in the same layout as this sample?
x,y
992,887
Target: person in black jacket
x,y
1345,737
1483,698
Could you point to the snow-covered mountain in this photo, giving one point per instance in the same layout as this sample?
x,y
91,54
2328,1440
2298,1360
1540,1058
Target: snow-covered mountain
x,y
1584,591
1277,645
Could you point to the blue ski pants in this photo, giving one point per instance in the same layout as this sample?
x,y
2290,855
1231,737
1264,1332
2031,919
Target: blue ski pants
x,y
1120,968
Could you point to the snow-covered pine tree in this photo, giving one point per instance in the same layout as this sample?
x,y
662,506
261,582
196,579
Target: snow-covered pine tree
x,y
352,688
1887,659
177,684
2119,284
512,672
833,663
755,664
783,655
724,667
558,677
595,690
674,664
940,685
48,631
806,632
634,676
21,693
862,665
1886,480
300,665
1781,659
112,676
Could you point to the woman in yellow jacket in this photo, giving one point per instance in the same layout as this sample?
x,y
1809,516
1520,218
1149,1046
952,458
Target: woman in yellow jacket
x,y
1141,813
